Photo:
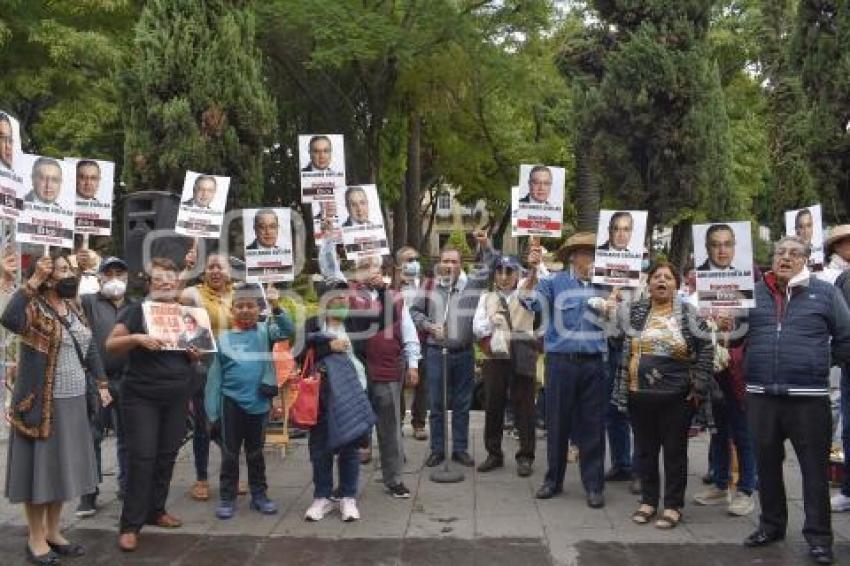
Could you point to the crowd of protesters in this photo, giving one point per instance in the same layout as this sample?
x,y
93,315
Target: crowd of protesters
x,y
643,365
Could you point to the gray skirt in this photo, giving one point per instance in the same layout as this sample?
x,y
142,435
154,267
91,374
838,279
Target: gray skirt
x,y
61,467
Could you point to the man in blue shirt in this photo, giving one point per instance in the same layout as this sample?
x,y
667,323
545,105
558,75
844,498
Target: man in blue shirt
x,y
575,347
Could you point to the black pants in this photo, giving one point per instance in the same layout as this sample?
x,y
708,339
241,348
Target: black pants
x,y
807,423
419,407
661,422
498,376
153,431
238,427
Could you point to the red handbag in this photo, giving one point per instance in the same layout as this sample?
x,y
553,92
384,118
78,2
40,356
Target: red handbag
x,y
305,409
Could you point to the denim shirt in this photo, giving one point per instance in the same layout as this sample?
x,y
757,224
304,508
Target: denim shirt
x,y
572,327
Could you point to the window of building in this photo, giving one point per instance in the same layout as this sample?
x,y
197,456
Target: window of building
x,y
444,201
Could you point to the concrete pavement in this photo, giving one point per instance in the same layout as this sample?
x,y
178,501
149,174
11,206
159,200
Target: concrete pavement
x,y
488,518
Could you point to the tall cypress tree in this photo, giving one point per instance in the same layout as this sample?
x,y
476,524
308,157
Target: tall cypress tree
x,y
195,97
655,119
821,53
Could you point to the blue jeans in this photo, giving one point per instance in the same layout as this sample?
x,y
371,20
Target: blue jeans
x,y
461,370
575,409
845,428
731,421
617,423
348,465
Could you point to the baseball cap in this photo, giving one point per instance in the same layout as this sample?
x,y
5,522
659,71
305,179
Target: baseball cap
x,y
112,261
508,262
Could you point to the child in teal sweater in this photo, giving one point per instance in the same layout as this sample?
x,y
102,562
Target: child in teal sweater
x,y
240,385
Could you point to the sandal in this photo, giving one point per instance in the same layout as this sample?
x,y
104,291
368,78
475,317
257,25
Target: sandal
x,y
643,514
669,519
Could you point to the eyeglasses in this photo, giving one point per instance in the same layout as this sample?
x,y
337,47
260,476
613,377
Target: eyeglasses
x,y
795,253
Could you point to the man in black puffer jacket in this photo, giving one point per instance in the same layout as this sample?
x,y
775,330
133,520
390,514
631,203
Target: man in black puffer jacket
x,y
798,329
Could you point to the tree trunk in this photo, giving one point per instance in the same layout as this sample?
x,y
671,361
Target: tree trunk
x,y
681,244
413,181
587,190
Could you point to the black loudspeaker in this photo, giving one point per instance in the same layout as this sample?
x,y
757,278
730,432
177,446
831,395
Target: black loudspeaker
x,y
151,215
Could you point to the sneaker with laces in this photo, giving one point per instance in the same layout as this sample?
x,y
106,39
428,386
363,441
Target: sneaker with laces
x,y
712,496
399,491
318,509
741,504
839,503
225,510
348,509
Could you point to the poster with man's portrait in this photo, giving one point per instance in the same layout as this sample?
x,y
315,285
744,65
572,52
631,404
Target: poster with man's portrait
x,y
321,211
179,326
619,247
268,244
202,204
361,222
807,224
10,142
11,181
321,158
48,213
723,258
94,181
540,201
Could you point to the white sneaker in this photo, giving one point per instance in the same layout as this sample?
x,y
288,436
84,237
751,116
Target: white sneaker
x,y
712,496
839,503
348,509
318,509
741,504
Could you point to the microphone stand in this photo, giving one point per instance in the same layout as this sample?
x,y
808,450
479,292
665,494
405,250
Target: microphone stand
x,y
445,473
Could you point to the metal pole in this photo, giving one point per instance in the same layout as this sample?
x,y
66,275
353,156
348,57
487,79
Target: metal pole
x,y
446,474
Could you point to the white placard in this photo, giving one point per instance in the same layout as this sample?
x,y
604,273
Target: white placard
x,y
807,223
48,214
10,142
268,244
322,164
539,202
202,205
619,247
178,326
361,222
320,210
94,182
723,256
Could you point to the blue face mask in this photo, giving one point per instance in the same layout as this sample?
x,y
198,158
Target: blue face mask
x,y
644,265
411,269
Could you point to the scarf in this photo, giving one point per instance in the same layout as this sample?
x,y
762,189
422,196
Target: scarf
x,y
217,304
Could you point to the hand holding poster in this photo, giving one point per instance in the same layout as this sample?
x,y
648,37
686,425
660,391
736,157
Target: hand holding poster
x,y
322,159
94,183
268,249
540,208
179,326
202,205
619,247
362,225
48,213
807,224
723,255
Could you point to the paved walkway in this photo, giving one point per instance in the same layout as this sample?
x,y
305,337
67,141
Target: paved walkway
x,y
487,519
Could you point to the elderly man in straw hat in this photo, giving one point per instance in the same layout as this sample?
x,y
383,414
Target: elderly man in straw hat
x,y
837,251
575,346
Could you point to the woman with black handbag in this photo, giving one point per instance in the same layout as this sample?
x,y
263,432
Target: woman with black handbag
x,y
51,454
667,364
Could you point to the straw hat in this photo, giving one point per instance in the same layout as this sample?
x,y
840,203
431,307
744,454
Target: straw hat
x,y
835,235
576,241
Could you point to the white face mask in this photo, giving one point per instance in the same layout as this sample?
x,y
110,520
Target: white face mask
x,y
114,288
